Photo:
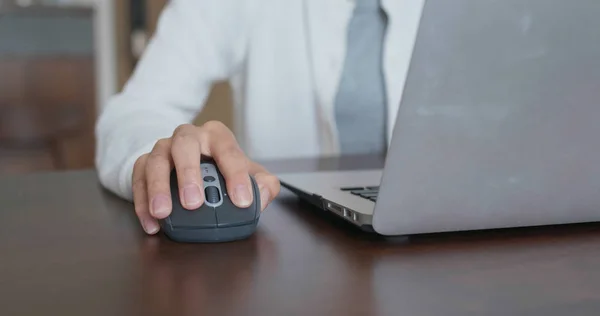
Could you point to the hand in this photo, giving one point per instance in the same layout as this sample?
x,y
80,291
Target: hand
x,y
182,151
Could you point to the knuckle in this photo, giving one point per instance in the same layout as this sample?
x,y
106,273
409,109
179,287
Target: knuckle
x,y
258,167
276,189
155,158
269,180
161,144
214,125
182,138
272,179
188,172
203,135
139,163
273,182
183,129
156,185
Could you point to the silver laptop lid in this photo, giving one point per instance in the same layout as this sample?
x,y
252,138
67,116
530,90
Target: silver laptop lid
x,y
499,121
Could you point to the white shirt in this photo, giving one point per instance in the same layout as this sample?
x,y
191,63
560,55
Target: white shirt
x,y
283,59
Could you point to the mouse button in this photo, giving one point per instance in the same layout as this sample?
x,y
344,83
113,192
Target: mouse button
x,y
237,217
205,217
230,215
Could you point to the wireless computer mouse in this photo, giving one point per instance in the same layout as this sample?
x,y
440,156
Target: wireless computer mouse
x,y
218,219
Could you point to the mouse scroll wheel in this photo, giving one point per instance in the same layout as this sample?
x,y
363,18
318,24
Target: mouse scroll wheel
x,y
212,194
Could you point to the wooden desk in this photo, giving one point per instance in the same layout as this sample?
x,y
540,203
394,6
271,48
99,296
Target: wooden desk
x,y
68,248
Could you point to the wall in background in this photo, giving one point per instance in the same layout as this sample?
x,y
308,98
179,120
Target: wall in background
x,y
105,45
48,90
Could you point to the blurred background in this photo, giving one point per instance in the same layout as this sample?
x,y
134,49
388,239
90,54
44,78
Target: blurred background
x,y
60,60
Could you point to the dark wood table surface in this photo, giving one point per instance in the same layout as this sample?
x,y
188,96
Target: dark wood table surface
x,y
67,247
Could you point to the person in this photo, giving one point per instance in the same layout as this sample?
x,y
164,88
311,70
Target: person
x,y
310,78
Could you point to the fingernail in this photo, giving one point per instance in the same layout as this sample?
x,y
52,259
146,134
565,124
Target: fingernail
x,y
265,195
243,195
160,206
150,227
192,195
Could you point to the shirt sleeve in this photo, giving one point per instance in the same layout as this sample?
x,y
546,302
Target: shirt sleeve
x,y
196,43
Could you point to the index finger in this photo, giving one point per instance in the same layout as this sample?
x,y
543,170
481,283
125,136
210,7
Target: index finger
x,y
232,163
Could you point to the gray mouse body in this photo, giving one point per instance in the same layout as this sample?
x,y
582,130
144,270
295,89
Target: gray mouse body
x,y
218,219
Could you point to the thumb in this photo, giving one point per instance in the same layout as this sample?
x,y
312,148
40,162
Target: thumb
x,y
269,187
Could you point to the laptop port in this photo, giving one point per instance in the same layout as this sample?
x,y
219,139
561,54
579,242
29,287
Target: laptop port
x,y
335,208
342,211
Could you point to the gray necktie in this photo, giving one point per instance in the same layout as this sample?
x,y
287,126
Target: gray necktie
x,y
360,105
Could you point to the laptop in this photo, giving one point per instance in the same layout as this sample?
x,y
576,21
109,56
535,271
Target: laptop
x,y
498,125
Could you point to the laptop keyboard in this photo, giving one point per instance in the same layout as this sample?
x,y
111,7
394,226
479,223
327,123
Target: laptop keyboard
x,y
369,193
